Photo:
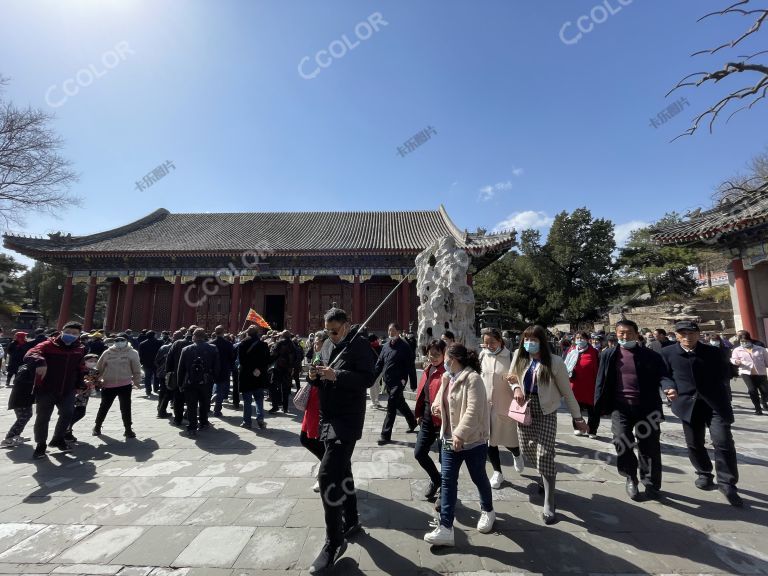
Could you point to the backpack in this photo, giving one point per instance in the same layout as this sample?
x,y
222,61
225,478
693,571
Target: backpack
x,y
197,371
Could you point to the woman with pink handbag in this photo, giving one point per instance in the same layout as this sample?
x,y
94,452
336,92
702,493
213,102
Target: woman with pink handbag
x,y
495,361
540,378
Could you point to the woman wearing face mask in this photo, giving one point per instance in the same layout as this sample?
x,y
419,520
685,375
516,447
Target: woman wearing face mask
x,y
582,362
462,406
541,378
495,362
752,361
429,424
119,370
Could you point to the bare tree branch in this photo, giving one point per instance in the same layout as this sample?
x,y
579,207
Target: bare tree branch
x,y
34,177
730,69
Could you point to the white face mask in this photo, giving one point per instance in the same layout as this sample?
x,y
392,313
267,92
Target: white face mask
x,y
122,344
90,365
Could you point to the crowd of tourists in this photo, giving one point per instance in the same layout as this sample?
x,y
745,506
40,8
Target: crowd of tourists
x,y
469,403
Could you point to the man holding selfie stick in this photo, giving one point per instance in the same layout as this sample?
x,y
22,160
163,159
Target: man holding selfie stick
x,y
343,379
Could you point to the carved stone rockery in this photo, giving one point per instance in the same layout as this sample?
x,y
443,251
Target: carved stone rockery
x,y
446,302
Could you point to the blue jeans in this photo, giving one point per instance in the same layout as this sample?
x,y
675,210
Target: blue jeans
x,y
149,379
249,397
449,473
221,390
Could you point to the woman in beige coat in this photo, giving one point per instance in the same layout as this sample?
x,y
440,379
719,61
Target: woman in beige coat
x,y
119,372
541,378
462,406
495,361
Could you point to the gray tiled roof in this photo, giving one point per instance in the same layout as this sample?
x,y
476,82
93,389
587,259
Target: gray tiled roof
x,y
279,232
725,219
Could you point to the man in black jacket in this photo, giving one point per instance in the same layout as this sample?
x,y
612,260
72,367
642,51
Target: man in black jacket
x,y
198,365
147,352
696,386
397,364
253,357
660,340
628,388
226,360
343,380
171,375
283,360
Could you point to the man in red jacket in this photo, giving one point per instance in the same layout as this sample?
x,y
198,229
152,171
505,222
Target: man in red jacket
x,y
58,371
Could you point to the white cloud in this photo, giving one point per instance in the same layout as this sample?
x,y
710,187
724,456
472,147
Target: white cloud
x,y
525,220
517,172
622,231
489,191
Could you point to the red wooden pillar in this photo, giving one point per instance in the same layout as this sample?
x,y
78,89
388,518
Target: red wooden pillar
x,y
406,305
234,307
357,301
66,302
127,304
744,297
109,320
90,304
175,301
295,304
149,293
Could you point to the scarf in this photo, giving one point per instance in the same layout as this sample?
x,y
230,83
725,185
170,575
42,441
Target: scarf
x,y
572,359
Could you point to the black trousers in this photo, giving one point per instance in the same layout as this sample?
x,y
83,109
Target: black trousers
x,y
593,417
495,458
235,388
632,426
198,400
317,447
280,393
77,415
428,433
164,396
395,404
178,404
337,489
45,403
757,386
704,417
108,395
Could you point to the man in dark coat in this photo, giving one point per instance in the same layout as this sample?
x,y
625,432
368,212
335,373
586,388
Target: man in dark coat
x,y
628,389
221,378
147,353
397,365
343,379
198,365
171,376
660,341
283,360
161,359
58,371
253,357
696,386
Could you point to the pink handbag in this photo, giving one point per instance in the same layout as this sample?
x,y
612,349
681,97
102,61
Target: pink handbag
x,y
520,413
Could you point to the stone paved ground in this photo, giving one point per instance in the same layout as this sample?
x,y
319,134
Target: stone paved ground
x,y
236,501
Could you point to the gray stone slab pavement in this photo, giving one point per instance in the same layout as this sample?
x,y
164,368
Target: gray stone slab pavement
x,y
239,502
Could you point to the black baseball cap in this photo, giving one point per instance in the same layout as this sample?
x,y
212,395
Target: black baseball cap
x,y
686,325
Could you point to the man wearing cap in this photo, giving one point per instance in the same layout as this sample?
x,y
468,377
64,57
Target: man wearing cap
x,y
695,383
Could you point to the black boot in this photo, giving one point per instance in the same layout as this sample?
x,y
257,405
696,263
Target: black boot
x,y
96,430
327,557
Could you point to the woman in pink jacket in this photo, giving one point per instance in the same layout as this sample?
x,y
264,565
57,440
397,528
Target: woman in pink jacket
x,y
752,361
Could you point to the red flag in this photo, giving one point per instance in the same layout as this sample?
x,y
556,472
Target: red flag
x,y
257,319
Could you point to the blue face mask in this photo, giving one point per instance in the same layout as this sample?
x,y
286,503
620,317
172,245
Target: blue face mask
x,y
581,344
531,347
68,339
447,368
628,344
493,352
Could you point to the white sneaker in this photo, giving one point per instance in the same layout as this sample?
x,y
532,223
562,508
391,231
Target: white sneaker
x,y
485,524
578,433
9,442
496,480
316,486
519,462
440,536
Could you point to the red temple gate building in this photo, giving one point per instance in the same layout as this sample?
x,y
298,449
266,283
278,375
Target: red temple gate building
x,y
738,228
169,270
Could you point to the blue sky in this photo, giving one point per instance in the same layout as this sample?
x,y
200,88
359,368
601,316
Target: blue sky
x,y
524,124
